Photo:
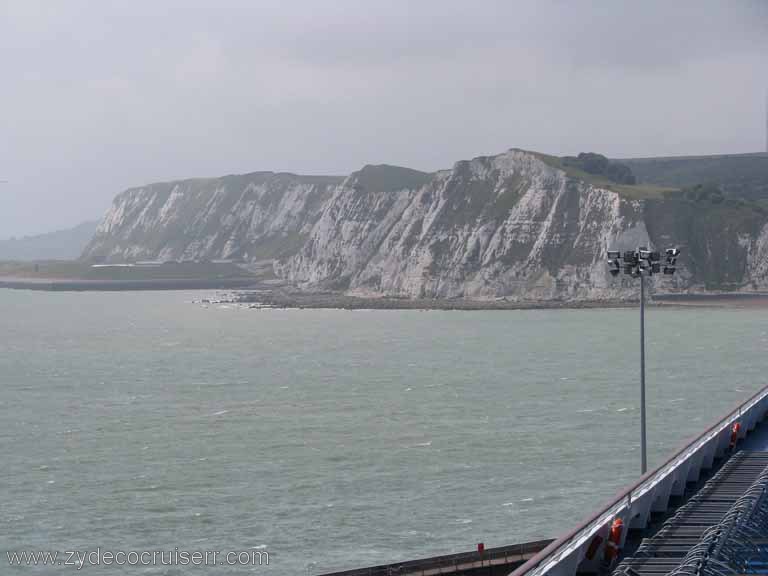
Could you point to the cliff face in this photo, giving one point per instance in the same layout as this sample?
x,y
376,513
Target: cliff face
x,y
252,216
513,225
509,225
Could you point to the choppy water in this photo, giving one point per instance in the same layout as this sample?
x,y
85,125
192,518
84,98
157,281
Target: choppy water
x,y
336,439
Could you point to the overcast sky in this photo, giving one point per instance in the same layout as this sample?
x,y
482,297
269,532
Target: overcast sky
x,y
99,96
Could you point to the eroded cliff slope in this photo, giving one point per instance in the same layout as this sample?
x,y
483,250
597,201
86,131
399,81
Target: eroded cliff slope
x,y
251,217
509,225
518,225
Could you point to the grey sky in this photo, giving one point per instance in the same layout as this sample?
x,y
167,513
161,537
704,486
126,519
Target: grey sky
x,y
99,96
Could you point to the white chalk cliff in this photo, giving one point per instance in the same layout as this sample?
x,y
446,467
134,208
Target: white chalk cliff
x,y
513,225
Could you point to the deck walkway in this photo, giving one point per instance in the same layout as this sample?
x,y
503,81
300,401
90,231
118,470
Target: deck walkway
x,y
665,551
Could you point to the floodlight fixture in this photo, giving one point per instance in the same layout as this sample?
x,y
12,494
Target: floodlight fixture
x,y
642,262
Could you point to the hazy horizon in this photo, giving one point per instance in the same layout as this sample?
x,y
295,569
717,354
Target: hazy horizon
x,y
99,98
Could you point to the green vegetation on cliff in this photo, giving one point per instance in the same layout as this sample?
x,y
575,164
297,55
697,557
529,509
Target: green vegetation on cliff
x,y
387,178
712,229
576,169
737,175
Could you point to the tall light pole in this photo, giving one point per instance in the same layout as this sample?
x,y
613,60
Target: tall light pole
x,y
639,264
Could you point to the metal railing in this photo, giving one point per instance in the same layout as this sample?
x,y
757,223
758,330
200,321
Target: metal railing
x,y
692,533
515,553
563,547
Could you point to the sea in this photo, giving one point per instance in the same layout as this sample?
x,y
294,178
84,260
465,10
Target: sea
x,y
334,439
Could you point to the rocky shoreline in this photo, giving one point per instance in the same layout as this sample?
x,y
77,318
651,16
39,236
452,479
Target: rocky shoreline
x,y
331,300
251,293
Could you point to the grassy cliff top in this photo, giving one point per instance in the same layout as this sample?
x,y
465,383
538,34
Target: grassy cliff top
x,y
737,175
687,170
631,191
388,178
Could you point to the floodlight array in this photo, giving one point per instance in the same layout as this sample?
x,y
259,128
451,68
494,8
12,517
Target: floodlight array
x,y
643,262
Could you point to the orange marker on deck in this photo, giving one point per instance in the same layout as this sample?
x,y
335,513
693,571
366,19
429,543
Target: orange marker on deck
x,y
614,541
